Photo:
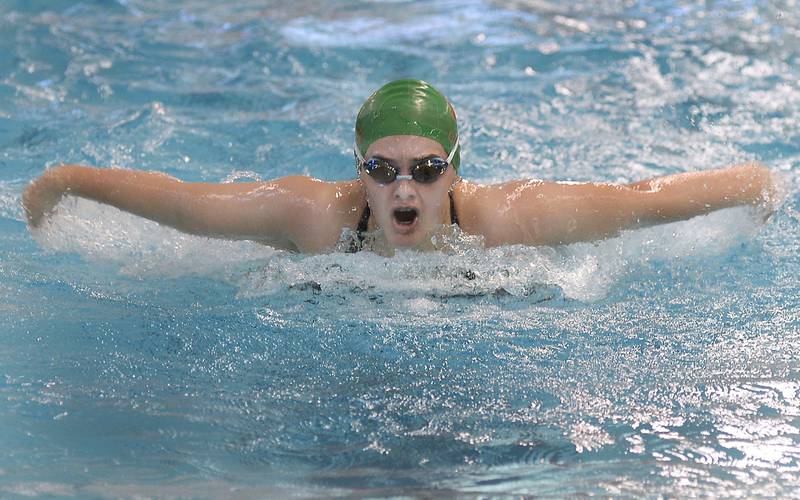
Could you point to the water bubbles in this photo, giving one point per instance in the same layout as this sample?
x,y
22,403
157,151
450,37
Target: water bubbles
x,y
575,24
241,175
588,437
140,247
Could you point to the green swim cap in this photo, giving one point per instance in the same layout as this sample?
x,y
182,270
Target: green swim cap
x,y
408,107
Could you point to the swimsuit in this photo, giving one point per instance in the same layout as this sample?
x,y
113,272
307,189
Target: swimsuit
x,y
363,222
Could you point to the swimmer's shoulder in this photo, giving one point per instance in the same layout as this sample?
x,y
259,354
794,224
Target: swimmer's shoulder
x,y
329,207
327,198
487,209
347,199
470,200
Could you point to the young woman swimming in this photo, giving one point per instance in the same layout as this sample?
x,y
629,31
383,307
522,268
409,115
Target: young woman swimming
x,y
408,188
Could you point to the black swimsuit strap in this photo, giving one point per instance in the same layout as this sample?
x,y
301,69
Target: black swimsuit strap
x,y
453,215
363,222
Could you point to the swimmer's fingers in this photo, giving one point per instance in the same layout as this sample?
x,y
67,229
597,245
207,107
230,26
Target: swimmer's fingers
x,y
751,184
773,194
779,192
32,203
41,196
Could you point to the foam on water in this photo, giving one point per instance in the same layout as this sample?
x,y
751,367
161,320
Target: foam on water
x,y
581,271
139,246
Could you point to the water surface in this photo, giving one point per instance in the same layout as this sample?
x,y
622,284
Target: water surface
x,y
135,360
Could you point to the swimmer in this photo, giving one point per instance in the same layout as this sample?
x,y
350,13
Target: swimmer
x,y
407,191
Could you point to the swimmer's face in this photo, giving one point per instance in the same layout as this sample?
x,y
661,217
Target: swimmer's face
x,y
407,210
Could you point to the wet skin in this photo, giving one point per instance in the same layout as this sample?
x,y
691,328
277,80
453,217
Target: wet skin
x,y
391,203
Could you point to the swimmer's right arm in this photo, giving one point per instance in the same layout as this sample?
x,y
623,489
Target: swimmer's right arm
x,y
279,213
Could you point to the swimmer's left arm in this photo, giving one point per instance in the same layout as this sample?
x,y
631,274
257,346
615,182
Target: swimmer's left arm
x,y
548,213
681,196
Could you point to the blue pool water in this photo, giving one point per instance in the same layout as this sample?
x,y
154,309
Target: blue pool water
x,y
135,360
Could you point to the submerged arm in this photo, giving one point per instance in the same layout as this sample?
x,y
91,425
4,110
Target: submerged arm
x,y
541,213
272,212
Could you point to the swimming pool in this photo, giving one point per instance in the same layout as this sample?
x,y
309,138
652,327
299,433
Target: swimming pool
x,y
135,360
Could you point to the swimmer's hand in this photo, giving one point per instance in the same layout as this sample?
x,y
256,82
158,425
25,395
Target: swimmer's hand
x,y
43,194
773,191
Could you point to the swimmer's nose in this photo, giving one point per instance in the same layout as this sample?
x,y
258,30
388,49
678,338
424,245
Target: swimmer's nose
x,y
405,189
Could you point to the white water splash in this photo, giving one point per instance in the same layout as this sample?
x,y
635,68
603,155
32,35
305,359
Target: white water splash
x,y
582,271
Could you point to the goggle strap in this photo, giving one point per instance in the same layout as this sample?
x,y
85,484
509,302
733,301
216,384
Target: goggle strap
x,y
452,152
358,154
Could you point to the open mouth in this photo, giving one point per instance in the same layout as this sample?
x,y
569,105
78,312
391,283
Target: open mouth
x,y
405,216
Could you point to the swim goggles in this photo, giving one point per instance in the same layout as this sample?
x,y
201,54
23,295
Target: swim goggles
x,y
424,172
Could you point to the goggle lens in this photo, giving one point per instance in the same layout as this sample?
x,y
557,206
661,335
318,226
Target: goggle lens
x,y
424,172
429,170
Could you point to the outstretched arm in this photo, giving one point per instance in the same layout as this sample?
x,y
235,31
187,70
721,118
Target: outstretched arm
x,y
278,213
543,213
682,196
